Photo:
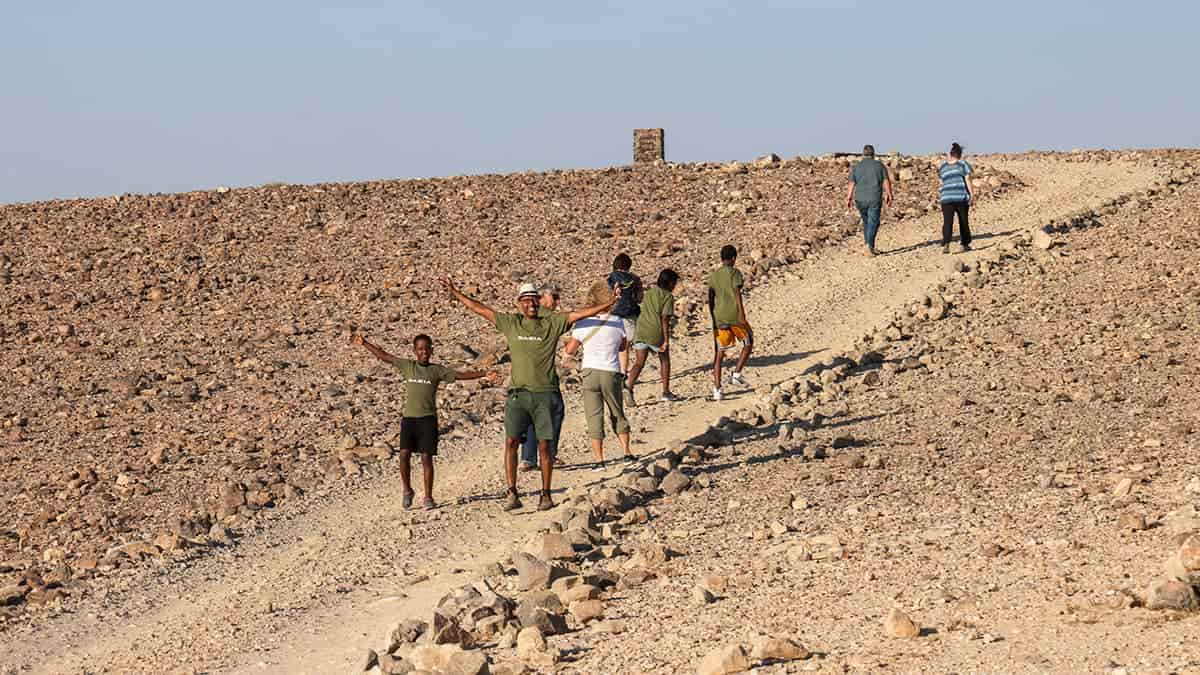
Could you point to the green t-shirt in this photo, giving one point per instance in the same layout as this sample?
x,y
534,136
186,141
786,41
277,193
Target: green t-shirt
x,y
420,385
533,344
726,280
656,303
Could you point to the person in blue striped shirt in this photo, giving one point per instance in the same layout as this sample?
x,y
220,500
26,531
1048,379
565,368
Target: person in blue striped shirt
x,y
956,196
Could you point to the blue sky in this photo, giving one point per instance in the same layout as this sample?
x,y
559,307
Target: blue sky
x,y
107,98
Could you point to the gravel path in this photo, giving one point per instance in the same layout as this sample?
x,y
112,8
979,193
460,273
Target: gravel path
x,y
312,590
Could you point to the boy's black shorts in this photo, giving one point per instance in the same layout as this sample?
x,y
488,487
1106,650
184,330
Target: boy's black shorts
x,y
419,434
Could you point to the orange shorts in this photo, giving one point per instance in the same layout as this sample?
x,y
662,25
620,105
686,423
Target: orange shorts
x,y
726,335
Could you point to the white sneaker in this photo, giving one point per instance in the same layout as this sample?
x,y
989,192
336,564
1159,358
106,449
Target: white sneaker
x,y
736,378
717,394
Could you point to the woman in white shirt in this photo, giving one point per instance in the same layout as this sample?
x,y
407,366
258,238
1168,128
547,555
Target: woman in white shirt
x,y
603,339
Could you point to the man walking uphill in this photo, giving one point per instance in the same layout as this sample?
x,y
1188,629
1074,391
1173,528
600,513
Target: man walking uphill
x,y
868,187
533,345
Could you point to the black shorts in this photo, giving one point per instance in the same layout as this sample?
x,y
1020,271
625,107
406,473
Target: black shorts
x,y
419,434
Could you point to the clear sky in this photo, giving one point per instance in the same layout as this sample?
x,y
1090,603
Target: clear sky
x,y
131,96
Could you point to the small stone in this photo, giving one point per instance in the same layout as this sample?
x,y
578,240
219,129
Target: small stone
x,y
1042,239
394,665
556,546
1171,594
532,649
611,626
899,625
587,610
702,596
531,572
778,649
409,631
1123,487
12,595
372,660
715,584
723,660
675,482
579,592
1131,522
447,630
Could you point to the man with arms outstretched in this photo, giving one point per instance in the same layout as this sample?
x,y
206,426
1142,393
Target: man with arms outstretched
x,y
419,426
533,346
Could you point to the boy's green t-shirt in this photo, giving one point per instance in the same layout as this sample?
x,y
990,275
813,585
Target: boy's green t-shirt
x,y
725,281
533,346
420,384
656,303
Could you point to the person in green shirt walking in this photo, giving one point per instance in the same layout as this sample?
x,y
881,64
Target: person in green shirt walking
x,y
653,334
532,345
729,318
419,425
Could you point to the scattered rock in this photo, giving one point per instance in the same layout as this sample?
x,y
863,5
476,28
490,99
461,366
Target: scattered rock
x,y
897,624
723,660
778,649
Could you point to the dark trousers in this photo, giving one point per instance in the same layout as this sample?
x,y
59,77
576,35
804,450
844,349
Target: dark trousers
x,y
529,451
948,211
870,218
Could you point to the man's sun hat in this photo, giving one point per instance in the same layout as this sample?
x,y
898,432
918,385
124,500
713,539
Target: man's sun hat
x,y
528,289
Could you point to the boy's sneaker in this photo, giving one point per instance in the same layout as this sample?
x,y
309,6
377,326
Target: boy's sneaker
x,y
736,378
629,399
717,394
965,248
598,466
430,504
406,500
945,248
669,397
545,503
513,502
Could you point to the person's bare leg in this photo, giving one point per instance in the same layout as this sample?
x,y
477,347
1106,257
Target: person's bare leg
x,y
664,370
406,469
741,363
547,464
639,362
624,439
427,465
510,461
717,366
623,357
598,449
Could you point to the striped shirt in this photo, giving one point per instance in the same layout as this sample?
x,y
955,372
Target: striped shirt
x,y
954,181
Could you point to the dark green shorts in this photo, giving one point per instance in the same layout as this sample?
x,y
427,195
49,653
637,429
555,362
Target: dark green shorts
x,y
523,408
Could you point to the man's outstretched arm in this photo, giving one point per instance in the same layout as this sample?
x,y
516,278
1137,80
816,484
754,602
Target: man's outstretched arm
x,y
594,309
360,341
470,303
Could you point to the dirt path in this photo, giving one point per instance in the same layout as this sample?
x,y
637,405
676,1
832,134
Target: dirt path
x,y
312,591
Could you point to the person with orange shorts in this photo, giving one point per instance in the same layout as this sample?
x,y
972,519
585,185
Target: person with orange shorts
x,y
729,319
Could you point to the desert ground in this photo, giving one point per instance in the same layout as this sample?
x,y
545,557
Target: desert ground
x,y
975,462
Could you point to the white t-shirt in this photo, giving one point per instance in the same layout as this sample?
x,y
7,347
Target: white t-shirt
x,y
602,347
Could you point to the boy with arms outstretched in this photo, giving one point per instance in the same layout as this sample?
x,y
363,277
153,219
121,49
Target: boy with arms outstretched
x,y
419,426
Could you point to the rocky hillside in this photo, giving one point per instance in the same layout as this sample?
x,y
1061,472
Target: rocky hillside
x,y
175,363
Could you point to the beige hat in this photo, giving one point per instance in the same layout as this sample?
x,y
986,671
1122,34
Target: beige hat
x,y
527,289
